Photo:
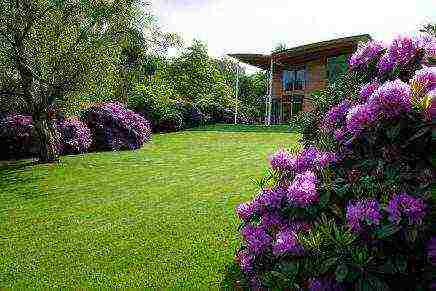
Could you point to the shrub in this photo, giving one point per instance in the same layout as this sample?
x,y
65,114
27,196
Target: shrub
x,y
75,136
114,127
171,120
16,132
359,217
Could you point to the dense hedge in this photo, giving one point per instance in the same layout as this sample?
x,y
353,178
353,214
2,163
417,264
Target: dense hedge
x,y
354,209
114,127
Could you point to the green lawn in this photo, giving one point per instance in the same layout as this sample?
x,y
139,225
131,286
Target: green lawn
x,y
162,216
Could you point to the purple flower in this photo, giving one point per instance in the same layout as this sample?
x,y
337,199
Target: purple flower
x,y
324,284
115,127
402,49
424,81
75,136
245,260
256,238
404,205
340,133
367,90
335,116
270,198
385,64
426,43
306,160
431,248
365,210
282,160
359,117
391,99
324,159
272,220
365,53
302,192
245,211
286,242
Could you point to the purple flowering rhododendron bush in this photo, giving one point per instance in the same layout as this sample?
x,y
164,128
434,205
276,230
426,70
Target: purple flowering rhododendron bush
x,y
114,127
75,136
16,136
356,213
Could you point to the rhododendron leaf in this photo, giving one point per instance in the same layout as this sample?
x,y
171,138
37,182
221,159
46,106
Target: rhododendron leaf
x,y
327,264
401,263
324,199
387,230
289,268
341,272
387,268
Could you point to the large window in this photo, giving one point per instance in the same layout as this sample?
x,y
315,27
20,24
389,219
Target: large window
x,y
336,67
294,79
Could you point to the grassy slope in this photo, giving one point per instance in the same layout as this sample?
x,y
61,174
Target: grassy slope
x,y
160,216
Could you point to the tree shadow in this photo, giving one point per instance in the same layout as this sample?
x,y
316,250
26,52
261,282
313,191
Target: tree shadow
x,y
283,128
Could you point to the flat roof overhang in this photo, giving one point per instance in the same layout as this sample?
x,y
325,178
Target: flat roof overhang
x,y
303,52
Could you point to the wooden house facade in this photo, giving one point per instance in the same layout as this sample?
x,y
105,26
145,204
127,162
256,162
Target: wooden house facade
x,y
297,72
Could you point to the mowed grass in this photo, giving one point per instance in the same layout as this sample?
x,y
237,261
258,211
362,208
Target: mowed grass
x,y
162,216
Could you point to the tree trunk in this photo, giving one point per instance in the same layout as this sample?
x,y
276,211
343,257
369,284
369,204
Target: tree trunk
x,y
48,140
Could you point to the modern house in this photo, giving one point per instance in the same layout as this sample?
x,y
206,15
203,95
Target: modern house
x,y
297,72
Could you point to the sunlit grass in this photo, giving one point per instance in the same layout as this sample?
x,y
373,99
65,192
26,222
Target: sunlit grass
x,y
161,216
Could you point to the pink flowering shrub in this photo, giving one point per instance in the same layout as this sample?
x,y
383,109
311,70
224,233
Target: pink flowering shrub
x,y
353,213
114,127
75,136
16,136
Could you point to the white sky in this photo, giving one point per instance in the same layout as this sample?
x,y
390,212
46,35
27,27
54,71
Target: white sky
x,y
256,26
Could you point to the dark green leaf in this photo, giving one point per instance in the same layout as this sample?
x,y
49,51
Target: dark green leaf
x,y
387,230
341,272
327,264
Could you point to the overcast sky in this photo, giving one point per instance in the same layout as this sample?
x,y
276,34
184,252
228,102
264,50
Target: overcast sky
x,y
256,26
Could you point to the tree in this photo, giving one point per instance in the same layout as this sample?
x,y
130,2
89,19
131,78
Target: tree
x,y
429,28
52,47
279,47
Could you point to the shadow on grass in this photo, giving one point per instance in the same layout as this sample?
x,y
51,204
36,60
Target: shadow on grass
x,y
15,165
283,128
233,279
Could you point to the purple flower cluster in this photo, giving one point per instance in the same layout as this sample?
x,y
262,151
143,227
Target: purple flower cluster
x,y
286,242
257,238
366,53
363,211
335,116
426,43
266,200
309,158
245,260
391,99
424,81
407,206
403,49
15,136
302,191
388,101
324,284
358,118
367,90
282,160
431,250
75,136
115,127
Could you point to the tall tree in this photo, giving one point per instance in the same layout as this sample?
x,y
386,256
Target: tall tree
x,y
50,47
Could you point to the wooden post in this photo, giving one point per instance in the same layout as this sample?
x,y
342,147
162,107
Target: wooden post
x,y
236,94
269,102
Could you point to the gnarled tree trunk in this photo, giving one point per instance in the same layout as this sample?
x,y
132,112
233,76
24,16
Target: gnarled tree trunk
x,y
48,140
